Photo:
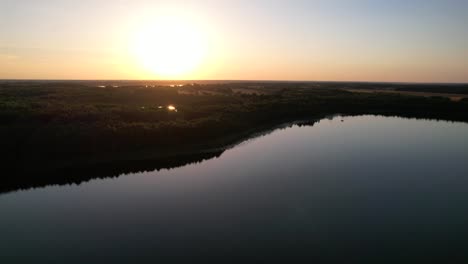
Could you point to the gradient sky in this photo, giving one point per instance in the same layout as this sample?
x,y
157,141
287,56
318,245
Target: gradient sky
x,y
348,40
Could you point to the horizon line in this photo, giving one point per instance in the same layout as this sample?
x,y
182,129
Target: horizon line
x,y
232,80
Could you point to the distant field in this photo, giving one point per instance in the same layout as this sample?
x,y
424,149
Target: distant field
x,y
453,97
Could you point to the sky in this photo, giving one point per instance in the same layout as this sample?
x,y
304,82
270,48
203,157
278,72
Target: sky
x,y
322,40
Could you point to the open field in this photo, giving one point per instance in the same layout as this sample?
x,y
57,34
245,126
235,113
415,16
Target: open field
x,y
453,97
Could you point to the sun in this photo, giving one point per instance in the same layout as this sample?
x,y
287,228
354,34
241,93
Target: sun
x,y
169,47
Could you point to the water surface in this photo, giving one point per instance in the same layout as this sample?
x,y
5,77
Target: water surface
x,y
348,188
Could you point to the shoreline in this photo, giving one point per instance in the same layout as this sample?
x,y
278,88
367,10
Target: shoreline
x,y
112,165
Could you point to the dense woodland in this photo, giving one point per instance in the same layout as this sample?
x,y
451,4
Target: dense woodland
x,y
71,127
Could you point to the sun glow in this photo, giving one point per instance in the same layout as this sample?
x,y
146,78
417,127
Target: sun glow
x,y
169,46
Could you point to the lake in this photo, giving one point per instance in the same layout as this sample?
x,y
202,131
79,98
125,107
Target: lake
x,y
348,189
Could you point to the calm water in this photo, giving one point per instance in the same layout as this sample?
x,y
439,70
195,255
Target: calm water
x,y
352,188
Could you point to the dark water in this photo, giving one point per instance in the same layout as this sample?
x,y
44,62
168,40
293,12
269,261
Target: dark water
x,y
363,189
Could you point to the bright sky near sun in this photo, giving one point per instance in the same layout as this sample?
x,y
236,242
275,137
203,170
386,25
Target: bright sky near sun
x,y
355,40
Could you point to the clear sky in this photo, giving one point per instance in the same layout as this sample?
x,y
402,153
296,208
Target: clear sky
x,y
355,40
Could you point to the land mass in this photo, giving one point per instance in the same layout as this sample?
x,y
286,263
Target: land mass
x,y
68,132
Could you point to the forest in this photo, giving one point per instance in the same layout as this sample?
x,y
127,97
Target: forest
x,y
62,132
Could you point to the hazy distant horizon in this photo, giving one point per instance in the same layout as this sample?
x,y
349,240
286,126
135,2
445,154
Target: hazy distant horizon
x,y
225,81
